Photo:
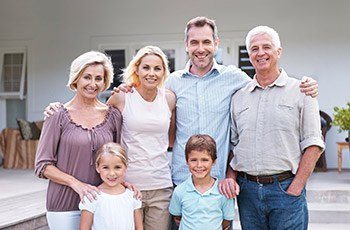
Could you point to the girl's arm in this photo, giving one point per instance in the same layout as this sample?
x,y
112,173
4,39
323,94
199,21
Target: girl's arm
x,y
86,220
226,224
138,219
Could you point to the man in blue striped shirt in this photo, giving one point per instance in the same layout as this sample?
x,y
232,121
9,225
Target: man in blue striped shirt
x,y
203,91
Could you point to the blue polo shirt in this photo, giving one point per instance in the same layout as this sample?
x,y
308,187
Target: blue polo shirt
x,y
200,211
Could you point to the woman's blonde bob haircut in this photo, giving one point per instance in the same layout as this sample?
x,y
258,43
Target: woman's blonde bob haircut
x,y
89,59
129,73
113,149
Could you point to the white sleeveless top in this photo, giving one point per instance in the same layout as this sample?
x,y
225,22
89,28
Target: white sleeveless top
x,y
145,137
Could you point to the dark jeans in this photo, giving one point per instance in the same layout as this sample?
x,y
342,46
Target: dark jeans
x,y
269,207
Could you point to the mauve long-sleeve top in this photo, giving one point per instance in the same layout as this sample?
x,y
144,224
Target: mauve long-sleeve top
x,y
72,148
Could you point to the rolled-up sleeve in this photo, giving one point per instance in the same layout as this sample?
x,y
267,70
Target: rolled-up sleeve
x,y
310,125
46,153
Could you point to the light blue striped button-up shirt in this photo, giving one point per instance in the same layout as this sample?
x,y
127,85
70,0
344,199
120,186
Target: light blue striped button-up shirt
x,y
203,107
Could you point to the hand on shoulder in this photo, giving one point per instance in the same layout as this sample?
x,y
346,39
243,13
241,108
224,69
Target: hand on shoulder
x,y
51,109
123,87
117,100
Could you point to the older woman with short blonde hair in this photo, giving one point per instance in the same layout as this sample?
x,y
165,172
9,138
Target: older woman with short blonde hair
x,y
70,138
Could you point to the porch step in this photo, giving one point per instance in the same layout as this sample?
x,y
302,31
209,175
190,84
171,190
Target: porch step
x,y
23,212
328,196
38,223
312,226
329,213
327,226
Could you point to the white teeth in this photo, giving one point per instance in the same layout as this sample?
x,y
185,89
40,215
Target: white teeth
x,y
90,90
151,79
262,60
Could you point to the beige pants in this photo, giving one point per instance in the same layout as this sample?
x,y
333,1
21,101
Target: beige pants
x,y
155,208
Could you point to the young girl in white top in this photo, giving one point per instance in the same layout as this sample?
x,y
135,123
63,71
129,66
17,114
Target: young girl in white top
x,y
115,207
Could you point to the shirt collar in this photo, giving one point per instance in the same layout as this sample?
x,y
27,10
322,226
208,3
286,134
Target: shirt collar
x,y
215,67
280,81
213,190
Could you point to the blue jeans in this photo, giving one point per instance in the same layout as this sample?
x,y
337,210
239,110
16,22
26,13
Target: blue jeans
x,y
268,206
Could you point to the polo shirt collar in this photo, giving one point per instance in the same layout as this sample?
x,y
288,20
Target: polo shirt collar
x,y
213,190
280,81
215,67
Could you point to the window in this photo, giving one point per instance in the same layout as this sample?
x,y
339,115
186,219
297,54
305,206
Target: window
x,y
118,61
170,53
244,63
13,73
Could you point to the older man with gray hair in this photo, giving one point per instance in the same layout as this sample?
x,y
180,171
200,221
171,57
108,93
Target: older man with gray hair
x,y
276,140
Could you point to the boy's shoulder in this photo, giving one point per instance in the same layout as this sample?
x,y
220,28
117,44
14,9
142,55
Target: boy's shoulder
x,y
183,187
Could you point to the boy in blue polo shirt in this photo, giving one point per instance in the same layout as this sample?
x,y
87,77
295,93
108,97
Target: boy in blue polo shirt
x,y
197,202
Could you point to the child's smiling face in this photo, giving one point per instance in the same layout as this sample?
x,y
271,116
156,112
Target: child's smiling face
x,y
111,169
199,164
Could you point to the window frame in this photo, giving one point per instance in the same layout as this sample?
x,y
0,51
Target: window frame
x,y
14,94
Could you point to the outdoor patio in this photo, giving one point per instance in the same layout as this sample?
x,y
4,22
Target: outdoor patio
x,y
22,200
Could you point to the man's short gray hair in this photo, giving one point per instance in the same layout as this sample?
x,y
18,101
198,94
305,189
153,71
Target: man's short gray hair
x,y
259,30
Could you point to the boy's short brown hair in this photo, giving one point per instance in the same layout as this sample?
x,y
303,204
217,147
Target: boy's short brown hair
x,y
201,142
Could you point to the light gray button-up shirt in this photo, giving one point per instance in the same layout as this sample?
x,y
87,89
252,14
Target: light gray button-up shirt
x,y
272,127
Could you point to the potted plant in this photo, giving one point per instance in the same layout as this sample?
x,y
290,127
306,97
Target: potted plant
x,y
342,119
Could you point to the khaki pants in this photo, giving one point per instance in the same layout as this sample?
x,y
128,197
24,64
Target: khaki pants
x,y
155,208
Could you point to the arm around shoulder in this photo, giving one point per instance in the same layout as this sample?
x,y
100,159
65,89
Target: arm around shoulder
x,y
117,100
171,99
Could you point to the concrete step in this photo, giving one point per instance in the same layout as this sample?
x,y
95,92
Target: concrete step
x,y
312,226
26,211
37,223
329,213
328,226
328,196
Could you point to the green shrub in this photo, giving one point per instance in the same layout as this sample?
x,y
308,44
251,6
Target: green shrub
x,y
342,118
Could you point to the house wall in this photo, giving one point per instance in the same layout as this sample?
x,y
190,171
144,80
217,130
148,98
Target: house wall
x,y
315,37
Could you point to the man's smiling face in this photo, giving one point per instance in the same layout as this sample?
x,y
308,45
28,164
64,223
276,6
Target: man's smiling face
x,y
263,54
201,47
